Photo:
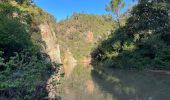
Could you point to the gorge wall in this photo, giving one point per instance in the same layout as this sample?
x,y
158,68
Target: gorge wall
x,y
51,47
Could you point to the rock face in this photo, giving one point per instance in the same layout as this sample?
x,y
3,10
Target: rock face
x,y
69,62
89,37
51,48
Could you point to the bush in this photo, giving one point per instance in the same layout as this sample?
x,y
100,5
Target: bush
x,y
21,75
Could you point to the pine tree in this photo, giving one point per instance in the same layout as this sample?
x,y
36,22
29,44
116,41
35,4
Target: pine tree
x,y
114,7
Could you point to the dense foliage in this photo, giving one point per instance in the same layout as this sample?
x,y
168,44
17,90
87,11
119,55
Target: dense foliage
x,y
13,34
144,41
24,70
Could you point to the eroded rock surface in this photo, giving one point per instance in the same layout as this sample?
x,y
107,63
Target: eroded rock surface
x,y
51,47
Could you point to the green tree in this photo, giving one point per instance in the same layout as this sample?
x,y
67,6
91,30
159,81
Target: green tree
x,y
144,41
19,1
114,7
24,1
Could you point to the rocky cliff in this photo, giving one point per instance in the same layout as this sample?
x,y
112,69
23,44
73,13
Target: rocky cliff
x,y
51,47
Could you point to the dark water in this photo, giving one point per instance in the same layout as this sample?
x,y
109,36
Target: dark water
x,y
86,84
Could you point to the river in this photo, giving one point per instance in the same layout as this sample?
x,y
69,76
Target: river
x,y
84,83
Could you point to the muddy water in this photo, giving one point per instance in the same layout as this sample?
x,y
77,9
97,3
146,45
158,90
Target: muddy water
x,y
86,84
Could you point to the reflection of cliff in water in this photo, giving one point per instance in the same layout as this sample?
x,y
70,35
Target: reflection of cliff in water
x,y
134,85
80,86
69,62
84,83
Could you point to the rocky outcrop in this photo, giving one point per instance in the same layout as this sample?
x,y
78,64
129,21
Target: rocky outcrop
x,y
51,47
89,37
52,86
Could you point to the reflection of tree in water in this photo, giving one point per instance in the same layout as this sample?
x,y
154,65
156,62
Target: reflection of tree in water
x,y
133,85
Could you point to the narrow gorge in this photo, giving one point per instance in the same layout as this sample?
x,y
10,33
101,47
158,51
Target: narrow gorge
x,y
121,53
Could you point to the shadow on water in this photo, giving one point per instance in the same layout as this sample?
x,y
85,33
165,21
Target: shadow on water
x,y
133,85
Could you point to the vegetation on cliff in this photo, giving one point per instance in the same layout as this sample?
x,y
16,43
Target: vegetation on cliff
x,y
24,69
81,32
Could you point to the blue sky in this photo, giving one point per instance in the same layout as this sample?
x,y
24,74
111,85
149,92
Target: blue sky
x,y
63,8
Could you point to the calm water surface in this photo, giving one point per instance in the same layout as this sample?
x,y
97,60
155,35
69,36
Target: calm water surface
x,y
86,84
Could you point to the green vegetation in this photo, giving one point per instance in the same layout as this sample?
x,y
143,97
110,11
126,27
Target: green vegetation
x,y
72,32
24,70
114,7
142,43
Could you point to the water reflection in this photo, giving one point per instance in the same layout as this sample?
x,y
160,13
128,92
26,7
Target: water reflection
x,y
86,84
134,85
